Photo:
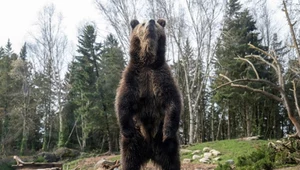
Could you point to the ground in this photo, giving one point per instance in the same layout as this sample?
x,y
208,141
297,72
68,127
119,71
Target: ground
x,y
89,163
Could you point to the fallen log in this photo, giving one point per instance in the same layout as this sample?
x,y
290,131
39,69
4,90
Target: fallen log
x,y
31,165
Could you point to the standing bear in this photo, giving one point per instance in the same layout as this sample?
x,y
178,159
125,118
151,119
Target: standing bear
x,y
148,102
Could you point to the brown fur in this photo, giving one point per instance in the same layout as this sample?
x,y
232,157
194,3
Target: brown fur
x,y
148,103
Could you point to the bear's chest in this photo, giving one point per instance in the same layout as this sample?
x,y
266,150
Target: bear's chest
x,y
146,84
148,88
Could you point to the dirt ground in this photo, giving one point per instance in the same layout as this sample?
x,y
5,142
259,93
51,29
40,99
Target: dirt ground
x,y
89,164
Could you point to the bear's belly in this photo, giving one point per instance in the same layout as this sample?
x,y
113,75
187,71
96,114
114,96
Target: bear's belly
x,y
149,117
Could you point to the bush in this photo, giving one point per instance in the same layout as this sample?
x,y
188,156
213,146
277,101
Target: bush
x,y
225,166
260,159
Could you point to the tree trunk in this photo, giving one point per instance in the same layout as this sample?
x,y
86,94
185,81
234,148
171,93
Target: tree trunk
x,y
24,137
61,132
228,124
212,123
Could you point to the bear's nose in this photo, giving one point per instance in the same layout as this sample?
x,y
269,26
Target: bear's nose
x,y
151,21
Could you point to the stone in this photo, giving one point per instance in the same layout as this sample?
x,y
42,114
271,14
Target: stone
x,y
207,155
230,161
186,160
185,151
206,149
204,160
196,157
196,152
217,158
215,152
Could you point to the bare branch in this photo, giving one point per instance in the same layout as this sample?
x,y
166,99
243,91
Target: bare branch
x,y
292,30
250,88
295,97
263,60
254,69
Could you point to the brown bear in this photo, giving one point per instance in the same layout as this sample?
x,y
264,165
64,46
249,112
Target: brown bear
x,y
148,102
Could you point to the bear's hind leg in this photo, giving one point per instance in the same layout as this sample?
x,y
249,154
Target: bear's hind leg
x,y
134,153
167,155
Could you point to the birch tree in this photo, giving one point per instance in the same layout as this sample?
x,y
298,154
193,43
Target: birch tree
x,y
48,47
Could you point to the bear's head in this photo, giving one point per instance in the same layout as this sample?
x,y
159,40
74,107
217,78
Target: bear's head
x,y
148,41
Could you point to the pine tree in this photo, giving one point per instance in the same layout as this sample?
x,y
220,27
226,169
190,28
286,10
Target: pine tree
x,y
84,75
23,52
8,48
112,64
238,30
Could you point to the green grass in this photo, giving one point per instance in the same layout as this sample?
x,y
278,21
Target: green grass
x,y
230,149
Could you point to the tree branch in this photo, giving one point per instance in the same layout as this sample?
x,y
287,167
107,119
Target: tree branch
x,y
292,31
250,88
295,97
263,60
249,62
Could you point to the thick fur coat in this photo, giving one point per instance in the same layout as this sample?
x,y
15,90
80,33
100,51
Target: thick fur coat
x,y
148,102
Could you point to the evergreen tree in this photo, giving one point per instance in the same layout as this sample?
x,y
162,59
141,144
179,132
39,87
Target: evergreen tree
x,y
84,75
23,52
8,48
238,30
112,64
2,52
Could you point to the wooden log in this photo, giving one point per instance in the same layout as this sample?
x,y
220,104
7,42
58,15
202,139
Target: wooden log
x,y
31,165
52,166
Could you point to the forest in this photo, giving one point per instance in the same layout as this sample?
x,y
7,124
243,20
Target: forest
x,y
236,64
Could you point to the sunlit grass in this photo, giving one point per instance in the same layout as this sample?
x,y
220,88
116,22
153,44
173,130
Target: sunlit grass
x,y
230,149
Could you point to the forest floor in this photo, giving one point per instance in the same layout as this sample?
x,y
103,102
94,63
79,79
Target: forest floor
x,y
89,164
230,151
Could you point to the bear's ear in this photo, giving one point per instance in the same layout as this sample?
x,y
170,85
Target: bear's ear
x,y
134,23
161,22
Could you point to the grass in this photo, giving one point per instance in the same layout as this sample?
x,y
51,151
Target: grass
x,y
230,149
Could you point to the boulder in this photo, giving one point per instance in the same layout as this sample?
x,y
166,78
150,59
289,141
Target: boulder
x,y
217,158
207,155
185,161
215,152
66,153
48,156
185,151
204,160
230,162
196,152
206,149
196,157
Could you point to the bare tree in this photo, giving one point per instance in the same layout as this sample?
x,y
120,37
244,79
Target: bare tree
x,y
279,86
49,48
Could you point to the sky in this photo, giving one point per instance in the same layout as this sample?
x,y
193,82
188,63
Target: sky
x,y
18,17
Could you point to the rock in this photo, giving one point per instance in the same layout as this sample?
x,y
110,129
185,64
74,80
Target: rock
x,y
196,157
66,153
185,161
206,149
215,152
196,152
230,161
185,151
217,158
204,160
48,156
207,155
98,165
